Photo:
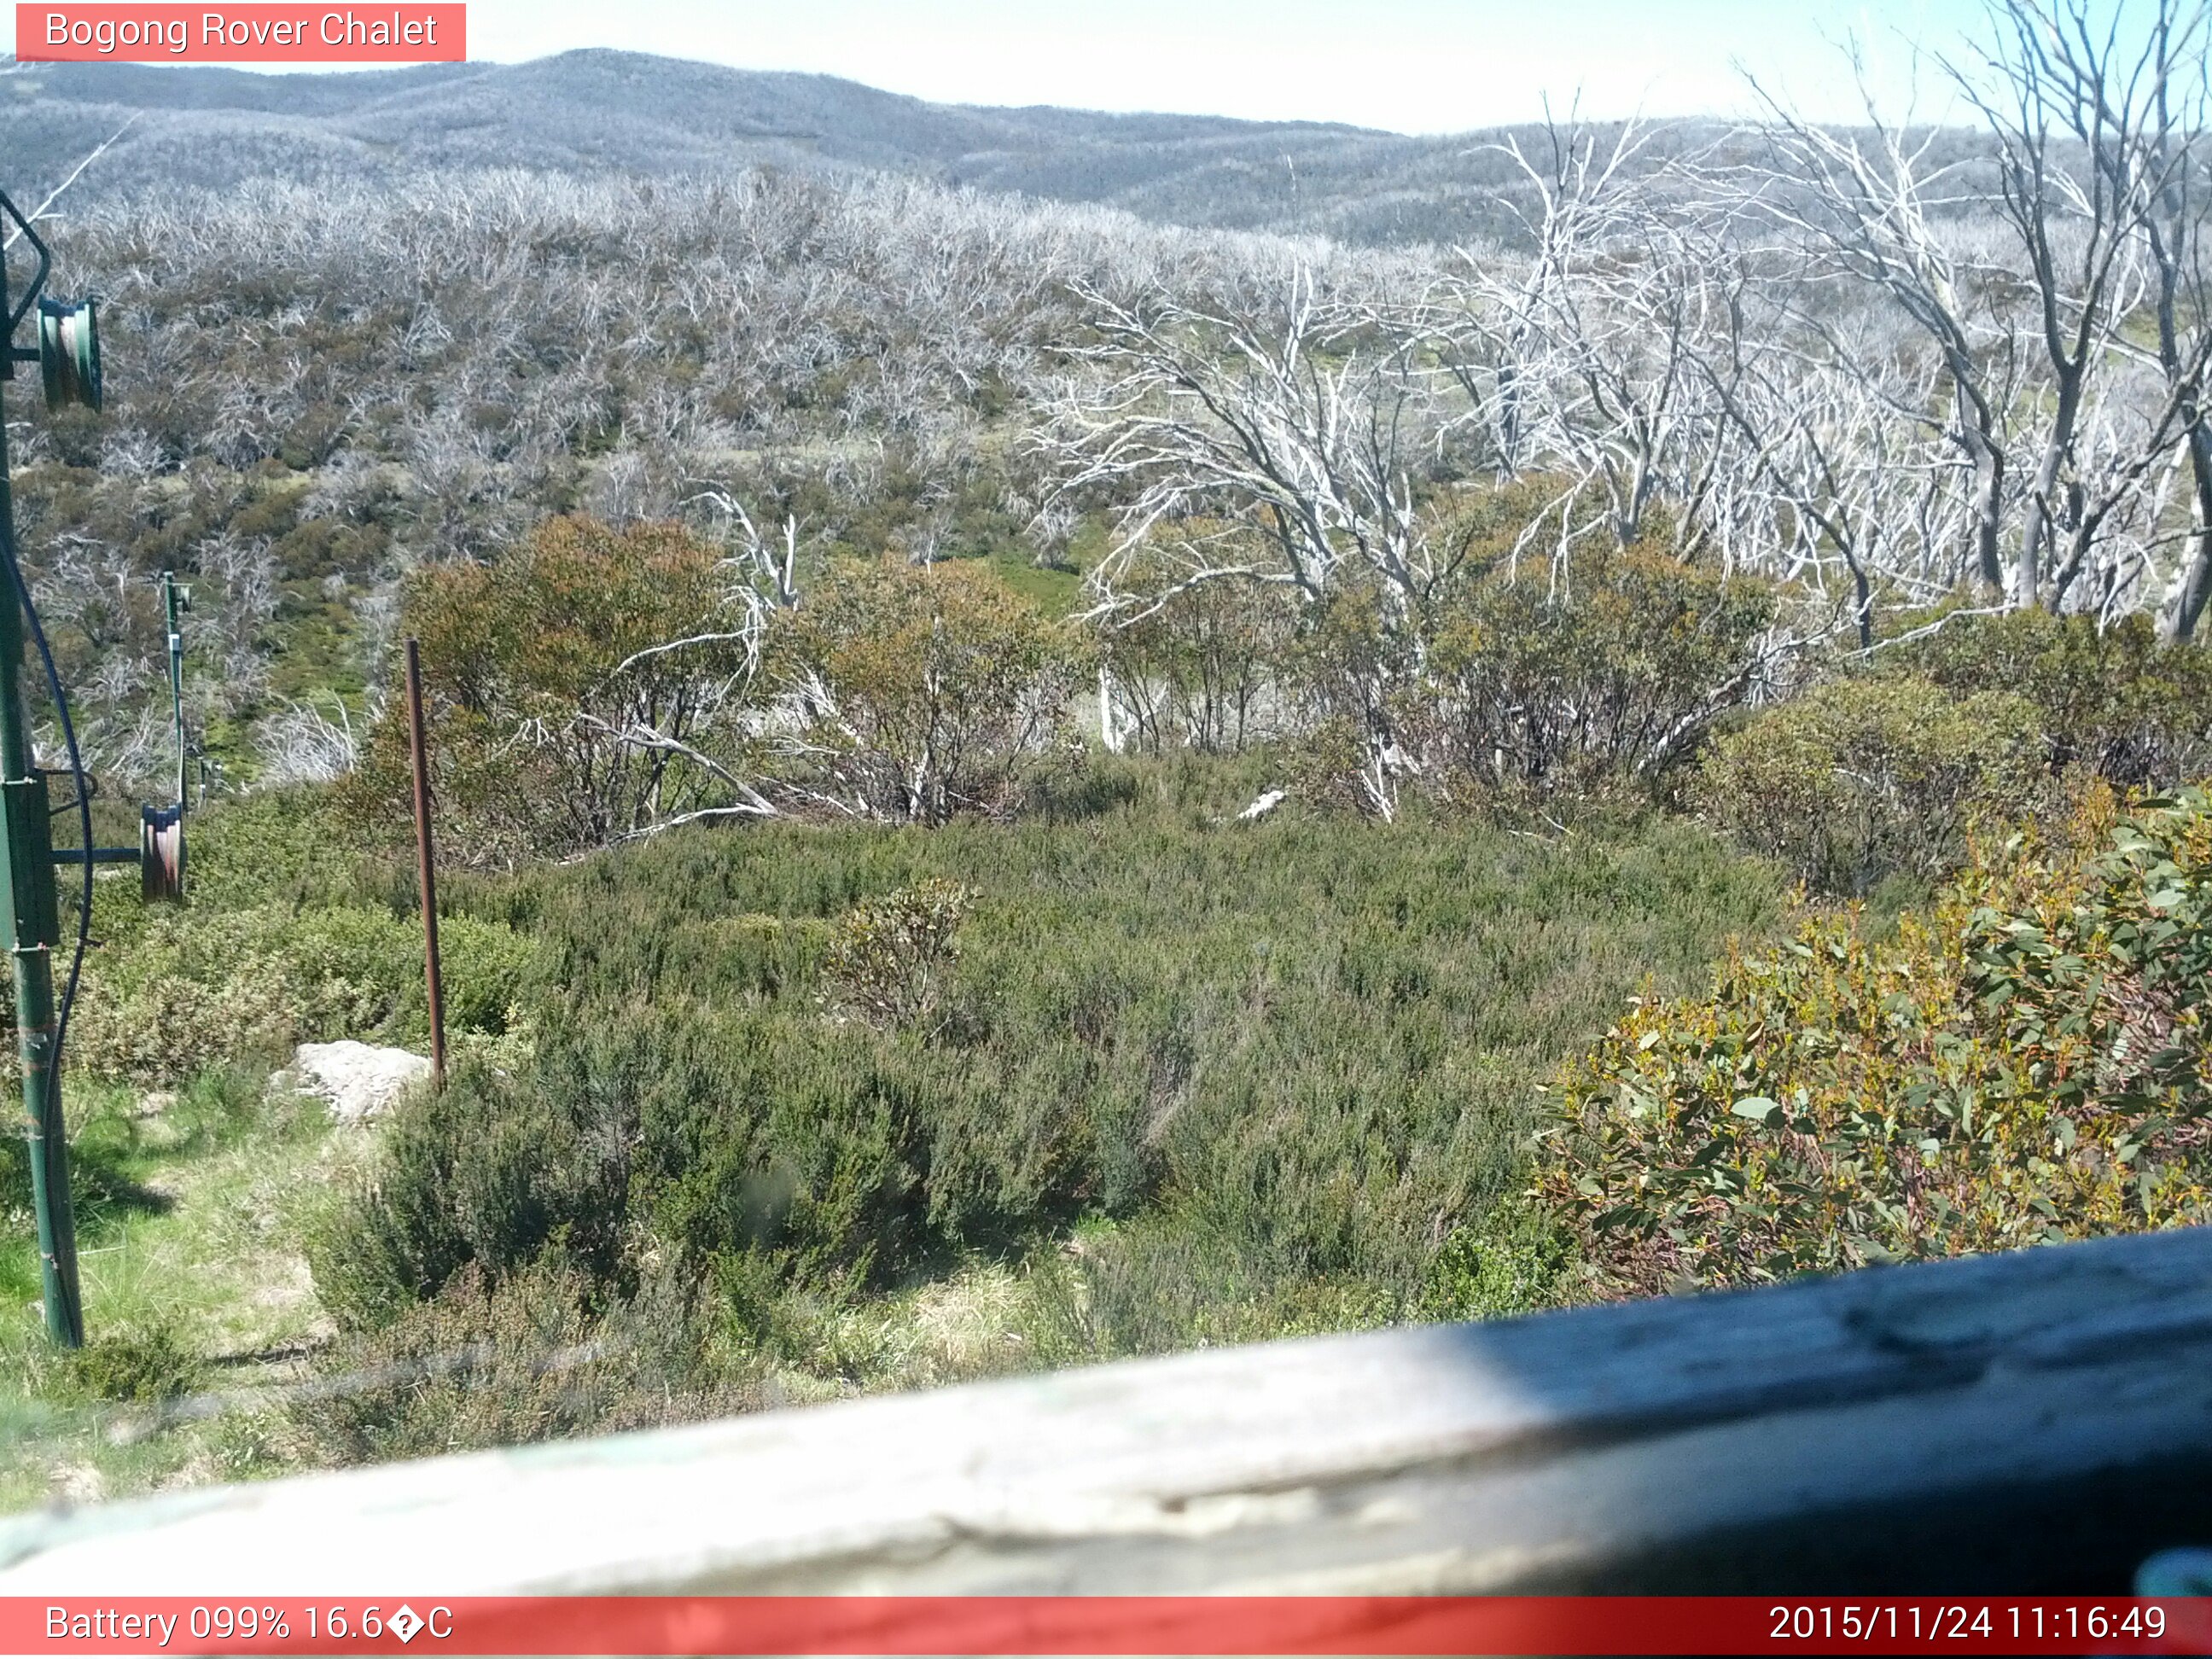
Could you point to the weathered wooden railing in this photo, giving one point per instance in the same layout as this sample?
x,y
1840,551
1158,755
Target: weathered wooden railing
x,y
2035,1421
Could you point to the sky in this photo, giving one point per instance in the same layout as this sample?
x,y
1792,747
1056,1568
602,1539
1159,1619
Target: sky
x,y
1405,65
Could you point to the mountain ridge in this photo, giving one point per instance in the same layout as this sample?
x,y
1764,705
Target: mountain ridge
x,y
597,111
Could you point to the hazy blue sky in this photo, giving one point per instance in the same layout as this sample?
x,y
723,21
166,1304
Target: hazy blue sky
x,y
1411,65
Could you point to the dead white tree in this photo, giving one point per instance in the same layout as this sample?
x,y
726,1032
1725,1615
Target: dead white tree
x,y
1845,487
2075,112
1871,204
1579,360
2132,98
1279,437
1275,440
1512,301
300,743
44,209
715,718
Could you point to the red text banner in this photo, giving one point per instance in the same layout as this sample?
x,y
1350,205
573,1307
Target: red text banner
x,y
415,1622
258,34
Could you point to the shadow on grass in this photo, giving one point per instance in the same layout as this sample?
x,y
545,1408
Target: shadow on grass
x,y
105,1198
108,1188
106,1195
284,1353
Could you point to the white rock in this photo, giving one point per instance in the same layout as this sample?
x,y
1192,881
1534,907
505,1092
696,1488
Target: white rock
x,y
79,1483
1265,805
358,1079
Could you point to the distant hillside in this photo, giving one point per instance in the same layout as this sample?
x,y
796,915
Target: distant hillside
x,y
611,112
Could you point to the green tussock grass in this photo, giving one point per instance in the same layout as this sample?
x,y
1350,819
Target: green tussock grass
x,y
190,1207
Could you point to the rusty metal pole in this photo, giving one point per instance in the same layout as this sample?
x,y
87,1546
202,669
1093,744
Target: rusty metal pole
x,y
419,747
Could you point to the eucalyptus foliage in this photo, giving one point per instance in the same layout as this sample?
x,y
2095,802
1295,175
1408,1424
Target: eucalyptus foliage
x,y
2024,1066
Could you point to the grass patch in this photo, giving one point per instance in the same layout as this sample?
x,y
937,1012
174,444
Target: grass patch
x,y
1055,592
190,1209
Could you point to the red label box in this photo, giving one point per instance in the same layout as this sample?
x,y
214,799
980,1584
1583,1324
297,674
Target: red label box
x,y
1221,1627
259,33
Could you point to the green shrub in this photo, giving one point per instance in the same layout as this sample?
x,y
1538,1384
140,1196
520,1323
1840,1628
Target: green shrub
x,y
2028,1065
150,1018
929,690
483,1175
1170,1281
136,1366
295,847
1201,669
1516,1262
1521,679
890,958
1862,779
538,1356
2109,698
1542,678
1268,1067
540,669
201,988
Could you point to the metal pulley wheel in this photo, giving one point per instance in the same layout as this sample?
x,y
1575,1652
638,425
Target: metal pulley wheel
x,y
69,353
162,853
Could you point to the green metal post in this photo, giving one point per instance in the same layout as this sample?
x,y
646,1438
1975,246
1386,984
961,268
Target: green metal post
x,y
33,927
176,677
